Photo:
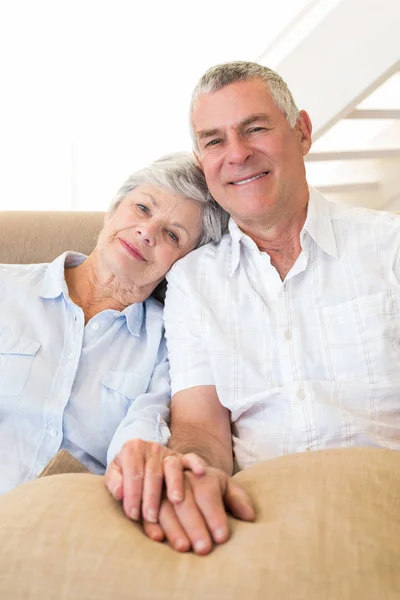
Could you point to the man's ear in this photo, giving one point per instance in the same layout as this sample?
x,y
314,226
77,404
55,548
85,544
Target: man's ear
x,y
304,127
198,160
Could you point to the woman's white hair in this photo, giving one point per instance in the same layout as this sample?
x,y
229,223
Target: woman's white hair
x,y
221,75
179,173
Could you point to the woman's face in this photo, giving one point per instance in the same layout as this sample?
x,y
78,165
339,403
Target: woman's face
x,y
149,230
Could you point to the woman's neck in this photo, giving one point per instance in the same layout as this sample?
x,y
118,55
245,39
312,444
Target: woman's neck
x,y
94,289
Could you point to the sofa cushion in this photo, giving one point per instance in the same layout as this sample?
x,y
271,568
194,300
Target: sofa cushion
x,y
63,462
41,236
328,527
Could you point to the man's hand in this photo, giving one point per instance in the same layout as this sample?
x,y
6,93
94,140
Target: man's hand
x,y
200,519
136,477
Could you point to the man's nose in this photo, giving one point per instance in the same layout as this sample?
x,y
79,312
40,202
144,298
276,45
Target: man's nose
x,y
238,150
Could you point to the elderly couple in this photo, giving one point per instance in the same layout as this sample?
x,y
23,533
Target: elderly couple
x,y
282,325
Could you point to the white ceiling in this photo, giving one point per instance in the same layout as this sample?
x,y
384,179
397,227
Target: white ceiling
x,y
92,90
369,137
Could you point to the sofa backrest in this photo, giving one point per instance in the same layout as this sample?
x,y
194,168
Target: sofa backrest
x,y
41,236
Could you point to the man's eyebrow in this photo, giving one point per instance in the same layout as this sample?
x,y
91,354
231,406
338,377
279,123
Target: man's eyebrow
x,y
206,133
253,118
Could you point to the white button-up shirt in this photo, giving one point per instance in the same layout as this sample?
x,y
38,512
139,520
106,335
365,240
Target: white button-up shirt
x,y
308,363
87,389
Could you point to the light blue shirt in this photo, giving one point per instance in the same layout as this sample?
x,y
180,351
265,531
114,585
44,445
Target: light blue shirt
x,y
63,384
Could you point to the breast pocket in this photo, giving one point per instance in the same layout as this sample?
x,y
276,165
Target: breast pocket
x,y
119,390
363,338
16,358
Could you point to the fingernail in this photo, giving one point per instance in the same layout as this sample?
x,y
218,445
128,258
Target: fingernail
x,y
200,546
151,516
220,535
116,489
181,545
134,514
176,497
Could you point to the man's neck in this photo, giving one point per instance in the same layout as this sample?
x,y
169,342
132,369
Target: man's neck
x,y
279,236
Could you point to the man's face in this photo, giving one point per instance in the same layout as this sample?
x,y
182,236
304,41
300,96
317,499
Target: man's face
x,y
252,159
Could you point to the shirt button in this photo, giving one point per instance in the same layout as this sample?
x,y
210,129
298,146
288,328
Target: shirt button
x,y
60,395
72,356
53,432
288,334
95,326
301,395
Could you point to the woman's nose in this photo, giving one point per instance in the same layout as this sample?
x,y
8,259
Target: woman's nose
x,y
147,233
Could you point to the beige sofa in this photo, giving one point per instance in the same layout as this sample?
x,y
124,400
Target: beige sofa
x,y
36,237
328,523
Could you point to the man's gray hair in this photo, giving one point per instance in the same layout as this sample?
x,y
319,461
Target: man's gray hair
x,y
221,75
179,173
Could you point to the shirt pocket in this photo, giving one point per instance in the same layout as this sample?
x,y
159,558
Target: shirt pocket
x,y
16,357
119,390
362,337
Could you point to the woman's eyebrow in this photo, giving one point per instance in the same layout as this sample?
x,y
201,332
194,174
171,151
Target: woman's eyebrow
x,y
151,198
180,226
177,225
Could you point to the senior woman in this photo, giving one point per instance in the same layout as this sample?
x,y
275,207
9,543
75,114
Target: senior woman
x,y
83,363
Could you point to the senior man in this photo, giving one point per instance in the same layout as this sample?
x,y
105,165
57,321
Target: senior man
x,y
285,336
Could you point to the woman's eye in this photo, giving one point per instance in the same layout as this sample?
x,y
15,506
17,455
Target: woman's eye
x,y
173,236
142,208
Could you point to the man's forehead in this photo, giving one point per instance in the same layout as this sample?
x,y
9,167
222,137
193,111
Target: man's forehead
x,y
231,105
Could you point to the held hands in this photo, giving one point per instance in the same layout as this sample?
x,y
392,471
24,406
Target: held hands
x,y
200,520
192,515
136,476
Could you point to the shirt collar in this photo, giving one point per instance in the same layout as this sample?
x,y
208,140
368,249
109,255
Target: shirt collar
x,y
134,315
318,225
54,284
238,238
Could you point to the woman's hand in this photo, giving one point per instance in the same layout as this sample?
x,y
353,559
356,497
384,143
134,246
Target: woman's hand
x,y
137,475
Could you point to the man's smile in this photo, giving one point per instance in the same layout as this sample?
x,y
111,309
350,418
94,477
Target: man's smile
x,y
249,179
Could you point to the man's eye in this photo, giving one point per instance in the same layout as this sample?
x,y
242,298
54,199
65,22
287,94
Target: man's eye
x,y
142,208
255,129
212,143
173,236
